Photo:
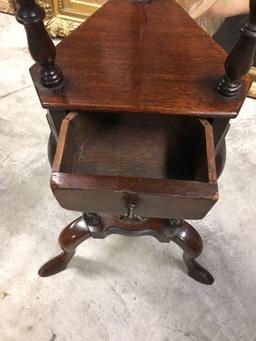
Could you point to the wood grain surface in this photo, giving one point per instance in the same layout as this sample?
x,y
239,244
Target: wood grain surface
x,y
99,166
141,57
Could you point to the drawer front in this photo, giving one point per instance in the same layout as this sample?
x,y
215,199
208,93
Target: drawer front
x,y
151,198
93,173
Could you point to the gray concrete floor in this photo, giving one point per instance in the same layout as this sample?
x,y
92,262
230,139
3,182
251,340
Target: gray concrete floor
x,y
118,289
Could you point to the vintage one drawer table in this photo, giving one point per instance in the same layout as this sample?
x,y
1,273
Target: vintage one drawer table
x,y
138,109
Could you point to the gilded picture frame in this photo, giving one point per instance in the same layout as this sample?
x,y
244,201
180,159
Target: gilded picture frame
x,y
252,92
63,16
7,6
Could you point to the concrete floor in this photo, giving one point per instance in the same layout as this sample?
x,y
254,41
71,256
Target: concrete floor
x,y
117,289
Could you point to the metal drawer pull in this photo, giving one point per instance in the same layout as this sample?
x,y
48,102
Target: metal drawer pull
x,y
131,217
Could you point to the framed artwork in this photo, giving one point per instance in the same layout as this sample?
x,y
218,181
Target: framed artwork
x,y
63,16
252,92
7,6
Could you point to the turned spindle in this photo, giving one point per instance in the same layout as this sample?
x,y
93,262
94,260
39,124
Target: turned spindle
x,y
240,59
40,44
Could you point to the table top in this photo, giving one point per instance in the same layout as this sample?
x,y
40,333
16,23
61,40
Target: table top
x,y
148,57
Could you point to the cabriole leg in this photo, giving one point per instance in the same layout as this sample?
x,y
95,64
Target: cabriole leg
x,y
191,243
73,235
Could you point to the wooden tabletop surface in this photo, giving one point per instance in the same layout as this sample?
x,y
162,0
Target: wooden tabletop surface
x,y
146,57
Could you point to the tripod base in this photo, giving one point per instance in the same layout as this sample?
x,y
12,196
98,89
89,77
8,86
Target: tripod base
x,y
101,226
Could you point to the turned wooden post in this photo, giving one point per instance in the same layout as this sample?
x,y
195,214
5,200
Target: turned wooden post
x,y
40,44
240,59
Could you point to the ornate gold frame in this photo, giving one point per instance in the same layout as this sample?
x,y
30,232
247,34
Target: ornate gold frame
x,y
252,92
63,16
7,6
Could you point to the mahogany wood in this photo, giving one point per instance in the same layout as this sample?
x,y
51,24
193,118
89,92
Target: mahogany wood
x,y
172,173
133,70
73,234
135,57
40,44
241,58
191,243
221,158
220,128
51,148
93,225
54,119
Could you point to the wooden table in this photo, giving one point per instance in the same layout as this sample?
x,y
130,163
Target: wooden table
x,y
138,109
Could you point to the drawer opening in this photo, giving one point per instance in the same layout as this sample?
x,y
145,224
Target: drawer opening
x,y
141,146
166,164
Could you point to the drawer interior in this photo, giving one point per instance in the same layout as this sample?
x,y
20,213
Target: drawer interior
x,y
144,146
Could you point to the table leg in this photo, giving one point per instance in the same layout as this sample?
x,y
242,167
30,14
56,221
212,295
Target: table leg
x,y
73,235
191,243
101,226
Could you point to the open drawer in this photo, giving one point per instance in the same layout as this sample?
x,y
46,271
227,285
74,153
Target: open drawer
x,y
164,166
